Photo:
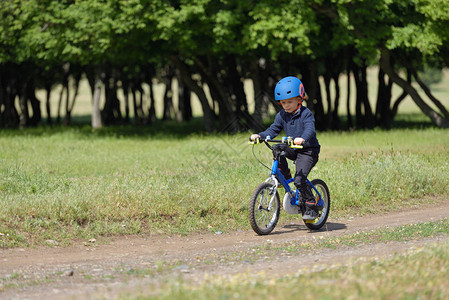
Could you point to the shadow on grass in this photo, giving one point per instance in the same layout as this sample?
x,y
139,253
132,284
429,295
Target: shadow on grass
x,y
412,121
81,127
401,121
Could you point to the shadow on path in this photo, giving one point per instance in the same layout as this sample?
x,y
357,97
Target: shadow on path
x,y
302,227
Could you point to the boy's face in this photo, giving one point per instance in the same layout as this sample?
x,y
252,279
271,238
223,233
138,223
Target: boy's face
x,y
290,105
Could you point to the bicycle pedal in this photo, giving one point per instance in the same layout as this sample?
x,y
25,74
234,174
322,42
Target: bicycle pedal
x,y
312,221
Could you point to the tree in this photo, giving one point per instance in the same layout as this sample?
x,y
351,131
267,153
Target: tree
x,y
215,46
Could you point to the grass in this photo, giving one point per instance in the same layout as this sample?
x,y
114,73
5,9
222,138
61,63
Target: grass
x,y
418,274
421,274
67,184
270,250
387,234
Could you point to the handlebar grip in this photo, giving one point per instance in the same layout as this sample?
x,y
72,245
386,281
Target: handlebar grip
x,y
293,146
255,142
290,141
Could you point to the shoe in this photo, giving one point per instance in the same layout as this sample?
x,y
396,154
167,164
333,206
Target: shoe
x,y
310,214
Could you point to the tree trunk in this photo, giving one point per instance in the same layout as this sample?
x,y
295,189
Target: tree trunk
x,y
96,113
107,113
24,118
359,119
35,104
398,101
152,109
258,91
116,104
111,111
348,99
383,112
125,87
47,103
436,118
226,115
137,116
149,80
194,87
135,112
184,101
1,114
315,102
364,114
91,79
71,104
65,86
58,115
3,100
327,83
235,80
429,94
335,117
140,103
11,116
2,103
67,105
168,111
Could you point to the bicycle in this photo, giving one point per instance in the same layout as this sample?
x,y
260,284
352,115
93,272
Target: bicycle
x,y
264,206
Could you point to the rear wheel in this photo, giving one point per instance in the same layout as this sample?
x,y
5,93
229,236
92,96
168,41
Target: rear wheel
x,y
264,208
324,208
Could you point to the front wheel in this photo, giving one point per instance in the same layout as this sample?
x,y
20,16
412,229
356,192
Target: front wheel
x,y
324,208
264,208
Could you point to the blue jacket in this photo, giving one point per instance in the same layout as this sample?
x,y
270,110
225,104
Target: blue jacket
x,y
300,124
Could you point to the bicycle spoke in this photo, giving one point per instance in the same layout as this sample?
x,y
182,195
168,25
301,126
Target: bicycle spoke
x,y
264,209
262,220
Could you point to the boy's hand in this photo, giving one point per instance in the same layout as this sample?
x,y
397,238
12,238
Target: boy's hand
x,y
254,136
298,141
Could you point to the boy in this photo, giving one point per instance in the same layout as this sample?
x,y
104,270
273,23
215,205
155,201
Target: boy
x,y
298,122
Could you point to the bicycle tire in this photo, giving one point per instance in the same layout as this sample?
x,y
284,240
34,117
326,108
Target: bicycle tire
x,y
321,186
262,218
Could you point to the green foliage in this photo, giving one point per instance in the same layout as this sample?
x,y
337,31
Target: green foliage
x,y
223,41
282,27
91,31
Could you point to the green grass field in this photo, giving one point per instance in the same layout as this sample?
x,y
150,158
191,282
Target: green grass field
x,y
421,274
67,184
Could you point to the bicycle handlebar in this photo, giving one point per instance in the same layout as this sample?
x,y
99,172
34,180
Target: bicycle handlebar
x,y
285,140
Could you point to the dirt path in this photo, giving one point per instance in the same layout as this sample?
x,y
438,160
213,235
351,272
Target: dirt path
x,y
136,262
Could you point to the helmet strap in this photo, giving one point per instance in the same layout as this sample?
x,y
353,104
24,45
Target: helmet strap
x,y
299,103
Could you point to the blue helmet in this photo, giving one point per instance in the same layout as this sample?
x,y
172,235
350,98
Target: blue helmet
x,y
289,87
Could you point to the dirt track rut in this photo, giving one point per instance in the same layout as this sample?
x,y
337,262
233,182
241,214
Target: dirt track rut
x,y
95,271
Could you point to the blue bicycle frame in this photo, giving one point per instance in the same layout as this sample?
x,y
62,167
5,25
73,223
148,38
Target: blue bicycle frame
x,y
285,183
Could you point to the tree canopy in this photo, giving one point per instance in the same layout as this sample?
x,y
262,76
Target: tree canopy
x,y
123,44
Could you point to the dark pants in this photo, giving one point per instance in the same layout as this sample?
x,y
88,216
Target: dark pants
x,y
304,162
